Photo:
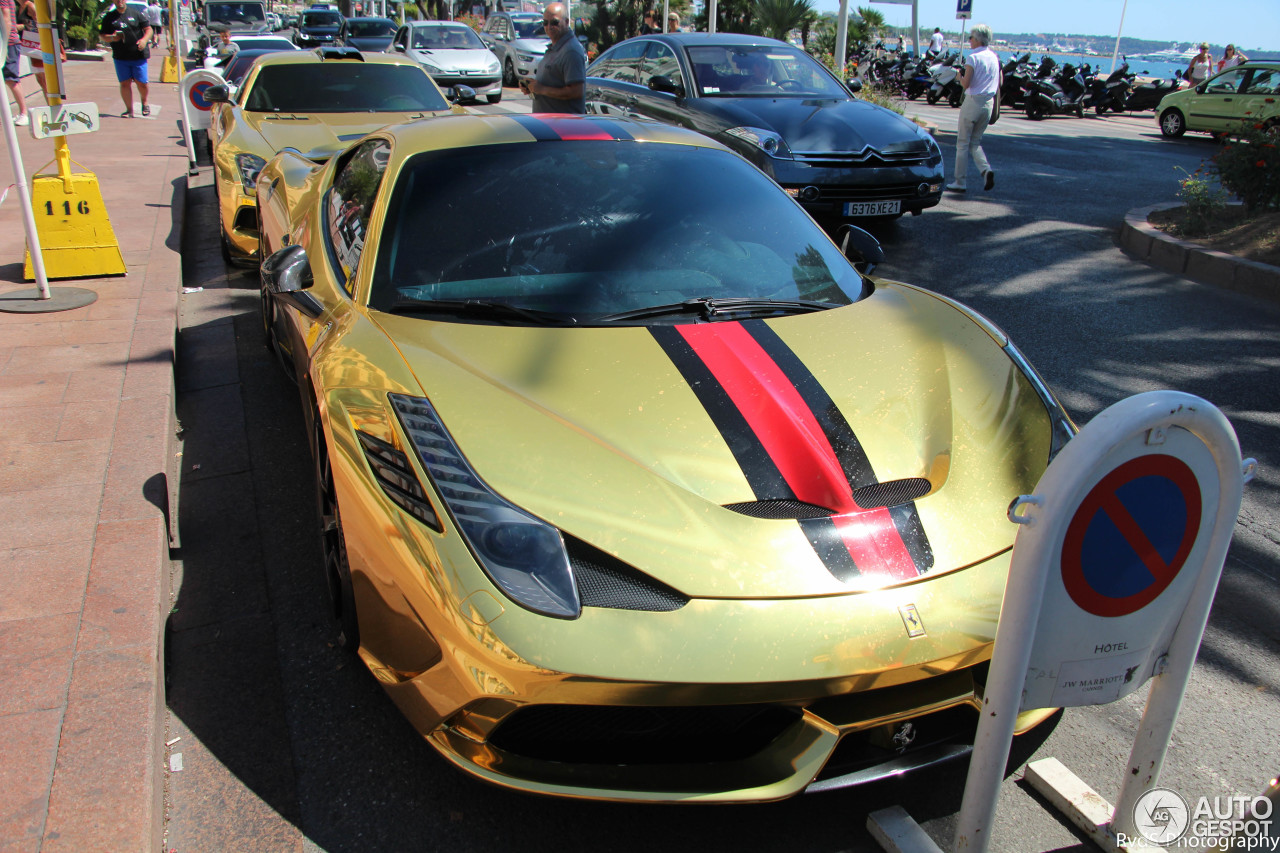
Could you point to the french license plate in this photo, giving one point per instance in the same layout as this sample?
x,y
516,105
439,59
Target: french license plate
x,y
872,208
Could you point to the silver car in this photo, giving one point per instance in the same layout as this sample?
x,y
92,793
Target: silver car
x,y
453,55
519,42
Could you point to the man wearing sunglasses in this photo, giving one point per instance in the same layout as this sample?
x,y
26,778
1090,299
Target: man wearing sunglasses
x,y
558,86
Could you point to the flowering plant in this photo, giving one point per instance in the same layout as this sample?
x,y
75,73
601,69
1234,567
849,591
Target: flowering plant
x,y
1203,204
1248,166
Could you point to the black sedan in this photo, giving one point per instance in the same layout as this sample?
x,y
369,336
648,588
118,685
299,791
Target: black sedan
x,y
839,156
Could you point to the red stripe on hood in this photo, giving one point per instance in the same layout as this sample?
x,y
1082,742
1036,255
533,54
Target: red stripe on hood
x,y
797,444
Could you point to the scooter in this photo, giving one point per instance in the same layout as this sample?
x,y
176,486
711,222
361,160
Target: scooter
x,y
1059,95
1016,73
1147,95
918,79
945,82
1110,94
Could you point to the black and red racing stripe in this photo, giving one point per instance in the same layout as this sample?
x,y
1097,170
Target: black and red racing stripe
x,y
793,443
571,128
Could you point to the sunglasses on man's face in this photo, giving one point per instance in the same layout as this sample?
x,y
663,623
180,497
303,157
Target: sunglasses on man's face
x,y
551,22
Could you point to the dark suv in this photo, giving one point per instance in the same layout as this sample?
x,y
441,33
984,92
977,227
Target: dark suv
x,y
317,28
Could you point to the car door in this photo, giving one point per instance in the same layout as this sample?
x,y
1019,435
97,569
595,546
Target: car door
x,y
612,87
668,107
1217,107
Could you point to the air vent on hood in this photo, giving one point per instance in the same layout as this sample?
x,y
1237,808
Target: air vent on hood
x,y
892,493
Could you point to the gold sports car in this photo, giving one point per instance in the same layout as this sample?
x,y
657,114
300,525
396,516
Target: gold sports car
x,y
632,485
316,101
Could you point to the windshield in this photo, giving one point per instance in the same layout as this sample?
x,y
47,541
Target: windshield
x,y
232,13
343,87
773,70
588,229
370,29
530,29
320,19
446,38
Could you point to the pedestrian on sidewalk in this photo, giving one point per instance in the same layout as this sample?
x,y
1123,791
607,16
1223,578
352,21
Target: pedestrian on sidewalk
x,y
11,76
981,81
129,34
32,48
559,85
153,18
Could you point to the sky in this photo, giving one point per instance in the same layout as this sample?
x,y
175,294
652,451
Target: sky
x,y
1244,23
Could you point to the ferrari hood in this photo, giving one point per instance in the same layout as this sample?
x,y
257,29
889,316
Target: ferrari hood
x,y
830,125
848,449
320,132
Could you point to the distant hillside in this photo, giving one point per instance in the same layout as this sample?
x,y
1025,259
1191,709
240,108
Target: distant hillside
x,y
1076,43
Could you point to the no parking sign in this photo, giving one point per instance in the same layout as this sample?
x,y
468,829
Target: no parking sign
x,y
1110,583
195,109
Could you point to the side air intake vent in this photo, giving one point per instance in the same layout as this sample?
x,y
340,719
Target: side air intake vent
x,y
605,581
396,477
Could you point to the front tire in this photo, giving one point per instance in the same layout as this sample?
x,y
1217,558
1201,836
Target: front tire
x,y
509,74
956,99
333,544
1172,124
494,98
932,97
1035,112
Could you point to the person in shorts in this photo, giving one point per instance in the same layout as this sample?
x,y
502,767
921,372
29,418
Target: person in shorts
x,y
129,34
11,76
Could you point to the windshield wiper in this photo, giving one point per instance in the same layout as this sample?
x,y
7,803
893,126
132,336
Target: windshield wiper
x,y
479,307
711,308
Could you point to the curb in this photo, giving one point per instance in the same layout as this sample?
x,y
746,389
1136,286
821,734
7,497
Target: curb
x,y
1140,238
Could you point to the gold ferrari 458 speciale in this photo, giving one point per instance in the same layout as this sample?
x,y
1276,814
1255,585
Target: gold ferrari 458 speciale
x,y
632,485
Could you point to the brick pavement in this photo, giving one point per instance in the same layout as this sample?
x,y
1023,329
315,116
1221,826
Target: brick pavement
x,y
86,418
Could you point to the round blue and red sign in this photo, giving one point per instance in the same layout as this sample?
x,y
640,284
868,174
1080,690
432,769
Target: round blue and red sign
x,y
1131,535
196,95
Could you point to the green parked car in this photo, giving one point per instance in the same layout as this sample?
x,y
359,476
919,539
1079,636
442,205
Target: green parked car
x,y
1247,92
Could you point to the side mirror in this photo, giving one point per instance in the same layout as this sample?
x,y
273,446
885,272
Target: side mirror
x,y
219,94
862,250
854,84
663,83
460,94
287,275
1200,89
399,48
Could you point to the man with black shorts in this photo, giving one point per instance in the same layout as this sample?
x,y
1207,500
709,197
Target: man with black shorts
x,y
11,77
129,34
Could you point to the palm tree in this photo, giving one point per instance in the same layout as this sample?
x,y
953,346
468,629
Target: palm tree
x,y
866,26
777,18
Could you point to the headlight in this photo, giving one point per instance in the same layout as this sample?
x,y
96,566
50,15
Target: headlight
x,y
526,57
494,67
522,554
766,140
249,165
430,69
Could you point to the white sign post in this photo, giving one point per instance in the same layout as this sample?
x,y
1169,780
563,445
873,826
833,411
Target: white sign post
x,y
1110,583
1112,576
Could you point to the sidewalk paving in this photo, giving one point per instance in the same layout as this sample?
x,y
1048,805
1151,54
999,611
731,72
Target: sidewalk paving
x,y
86,418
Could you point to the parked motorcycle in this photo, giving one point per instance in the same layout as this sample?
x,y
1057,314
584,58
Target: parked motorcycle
x,y
1059,94
944,81
1112,93
1147,95
918,79
1016,74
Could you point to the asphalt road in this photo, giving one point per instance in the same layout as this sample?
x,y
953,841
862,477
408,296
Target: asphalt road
x,y
287,742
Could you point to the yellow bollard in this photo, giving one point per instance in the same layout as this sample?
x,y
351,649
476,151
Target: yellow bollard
x,y
76,238
169,72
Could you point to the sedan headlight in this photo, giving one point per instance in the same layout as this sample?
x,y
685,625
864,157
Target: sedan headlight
x,y
528,57
494,67
249,165
522,554
429,68
766,140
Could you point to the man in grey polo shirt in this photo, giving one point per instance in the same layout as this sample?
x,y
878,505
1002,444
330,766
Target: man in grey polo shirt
x,y
558,87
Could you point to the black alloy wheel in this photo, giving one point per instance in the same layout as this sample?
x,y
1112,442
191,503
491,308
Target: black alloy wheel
x,y
509,74
1035,112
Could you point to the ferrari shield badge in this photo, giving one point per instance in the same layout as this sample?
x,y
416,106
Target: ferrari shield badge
x,y
911,620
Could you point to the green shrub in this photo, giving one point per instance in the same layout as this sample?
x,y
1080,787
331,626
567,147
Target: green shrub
x,y
78,31
1203,204
882,96
1248,166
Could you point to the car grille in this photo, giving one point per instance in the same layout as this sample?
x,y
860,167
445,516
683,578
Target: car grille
x,y
860,750
645,735
865,157
604,581
872,192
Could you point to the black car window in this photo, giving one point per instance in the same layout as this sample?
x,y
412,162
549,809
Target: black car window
x,y
320,19
770,70
370,29
660,60
622,62
530,29
343,87
350,204
613,237
1264,82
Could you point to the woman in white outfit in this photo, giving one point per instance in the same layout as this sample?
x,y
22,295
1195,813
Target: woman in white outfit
x,y
981,80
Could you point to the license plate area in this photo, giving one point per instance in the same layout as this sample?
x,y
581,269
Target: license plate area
x,y
872,208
